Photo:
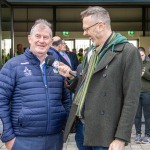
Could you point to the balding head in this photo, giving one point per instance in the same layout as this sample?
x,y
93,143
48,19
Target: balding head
x,y
56,38
57,43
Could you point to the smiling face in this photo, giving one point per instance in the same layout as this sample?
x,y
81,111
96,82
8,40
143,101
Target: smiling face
x,y
93,29
96,24
40,40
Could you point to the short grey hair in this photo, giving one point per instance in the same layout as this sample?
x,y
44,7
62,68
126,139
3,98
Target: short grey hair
x,y
97,13
43,23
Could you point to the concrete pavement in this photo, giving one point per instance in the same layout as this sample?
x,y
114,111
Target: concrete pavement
x,y
71,145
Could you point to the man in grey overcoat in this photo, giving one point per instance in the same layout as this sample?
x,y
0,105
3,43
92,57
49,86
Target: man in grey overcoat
x,y
108,88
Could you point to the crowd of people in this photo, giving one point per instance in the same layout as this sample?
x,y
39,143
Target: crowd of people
x,y
40,104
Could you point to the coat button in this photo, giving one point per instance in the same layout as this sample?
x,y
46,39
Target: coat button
x,y
104,75
102,113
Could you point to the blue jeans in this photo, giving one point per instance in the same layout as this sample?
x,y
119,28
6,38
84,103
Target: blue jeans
x,y
144,103
49,142
79,137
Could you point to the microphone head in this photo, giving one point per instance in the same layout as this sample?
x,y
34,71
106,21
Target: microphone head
x,y
49,60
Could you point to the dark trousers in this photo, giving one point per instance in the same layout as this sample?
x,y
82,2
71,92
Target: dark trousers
x,y
50,142
144,104
79,137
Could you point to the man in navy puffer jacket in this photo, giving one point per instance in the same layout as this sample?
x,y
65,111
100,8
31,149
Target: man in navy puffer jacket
x,y
34,104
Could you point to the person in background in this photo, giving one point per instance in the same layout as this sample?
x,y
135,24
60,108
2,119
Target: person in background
x,y
57,45
7,57
108,86
74,60
58,51
72,57
148,56
144,101
34,104
19,50
80,55
74,50
67,49
65,54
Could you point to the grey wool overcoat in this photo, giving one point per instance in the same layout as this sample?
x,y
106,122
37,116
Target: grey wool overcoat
x,y
112,97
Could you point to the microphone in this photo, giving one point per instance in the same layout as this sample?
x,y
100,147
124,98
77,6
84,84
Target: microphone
x,y
51,61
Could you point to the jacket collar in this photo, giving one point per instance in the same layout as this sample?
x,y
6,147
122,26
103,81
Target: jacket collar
x,y
108,57
31,57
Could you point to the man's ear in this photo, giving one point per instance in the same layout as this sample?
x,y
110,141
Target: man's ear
x,y
101,26
60,47
29,38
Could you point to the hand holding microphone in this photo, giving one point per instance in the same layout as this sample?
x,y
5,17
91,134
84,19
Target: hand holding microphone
x,y
63,69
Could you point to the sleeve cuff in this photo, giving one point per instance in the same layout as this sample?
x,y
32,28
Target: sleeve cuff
x,y
121,140
6,139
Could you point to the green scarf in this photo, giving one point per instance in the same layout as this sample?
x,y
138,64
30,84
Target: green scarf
x,y
119,39
113,40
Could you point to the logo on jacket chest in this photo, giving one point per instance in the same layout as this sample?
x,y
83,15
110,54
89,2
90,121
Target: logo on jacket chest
x,y
27,72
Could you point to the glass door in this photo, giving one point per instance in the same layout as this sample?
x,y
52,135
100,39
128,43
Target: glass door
x,y
5,32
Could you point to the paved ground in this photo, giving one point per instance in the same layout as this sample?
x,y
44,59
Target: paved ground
x,y
70,144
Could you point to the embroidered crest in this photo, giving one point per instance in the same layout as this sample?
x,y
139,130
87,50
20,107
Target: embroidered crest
x,y
55,70
27,72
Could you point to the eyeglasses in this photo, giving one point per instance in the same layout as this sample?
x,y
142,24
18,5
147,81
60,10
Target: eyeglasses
x,y
86,29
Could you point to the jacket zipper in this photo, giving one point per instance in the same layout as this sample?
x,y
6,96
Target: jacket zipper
x,y
44,76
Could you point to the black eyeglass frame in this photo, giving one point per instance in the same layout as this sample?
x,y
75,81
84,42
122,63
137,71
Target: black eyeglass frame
x,y
86,29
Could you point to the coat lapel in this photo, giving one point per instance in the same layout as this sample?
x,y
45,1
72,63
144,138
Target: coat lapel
x,y
107,58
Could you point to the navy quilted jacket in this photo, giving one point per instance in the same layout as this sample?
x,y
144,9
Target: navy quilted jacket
x,y
28,106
